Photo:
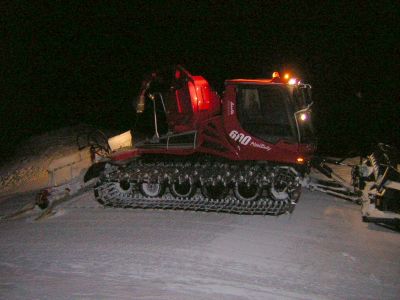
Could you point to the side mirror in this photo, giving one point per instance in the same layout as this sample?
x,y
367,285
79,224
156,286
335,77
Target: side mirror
x,y
307,94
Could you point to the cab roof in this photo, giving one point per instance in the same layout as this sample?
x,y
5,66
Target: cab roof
x,y
260,81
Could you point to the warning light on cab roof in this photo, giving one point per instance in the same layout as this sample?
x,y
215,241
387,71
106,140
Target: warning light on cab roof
x,y
275,75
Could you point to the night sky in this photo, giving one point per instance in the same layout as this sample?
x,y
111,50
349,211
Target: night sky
x,y
67,64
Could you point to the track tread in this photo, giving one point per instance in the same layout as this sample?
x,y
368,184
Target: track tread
x,y
108,193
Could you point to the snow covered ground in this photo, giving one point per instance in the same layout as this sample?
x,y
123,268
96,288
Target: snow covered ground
x,y
321,251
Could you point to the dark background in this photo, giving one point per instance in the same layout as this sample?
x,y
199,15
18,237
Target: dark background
x,y
67,64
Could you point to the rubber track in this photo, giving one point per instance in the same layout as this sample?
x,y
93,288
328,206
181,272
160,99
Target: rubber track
x,y
108,194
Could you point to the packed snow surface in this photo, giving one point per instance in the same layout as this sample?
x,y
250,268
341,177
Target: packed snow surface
x,y
83,251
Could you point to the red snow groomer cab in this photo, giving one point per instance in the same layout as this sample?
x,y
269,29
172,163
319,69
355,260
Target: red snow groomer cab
x,y
245,151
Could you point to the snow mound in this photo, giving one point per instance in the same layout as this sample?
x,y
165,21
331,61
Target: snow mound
x,y
27,169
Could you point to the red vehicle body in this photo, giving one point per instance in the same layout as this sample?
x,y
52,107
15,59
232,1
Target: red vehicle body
x,y
199,121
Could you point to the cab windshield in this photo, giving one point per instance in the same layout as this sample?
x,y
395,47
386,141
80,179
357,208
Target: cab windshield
x,y
272,112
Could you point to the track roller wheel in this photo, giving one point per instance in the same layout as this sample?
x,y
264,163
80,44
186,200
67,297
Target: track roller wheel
x,y
124,188
151,189
185,189
217,191
246,192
